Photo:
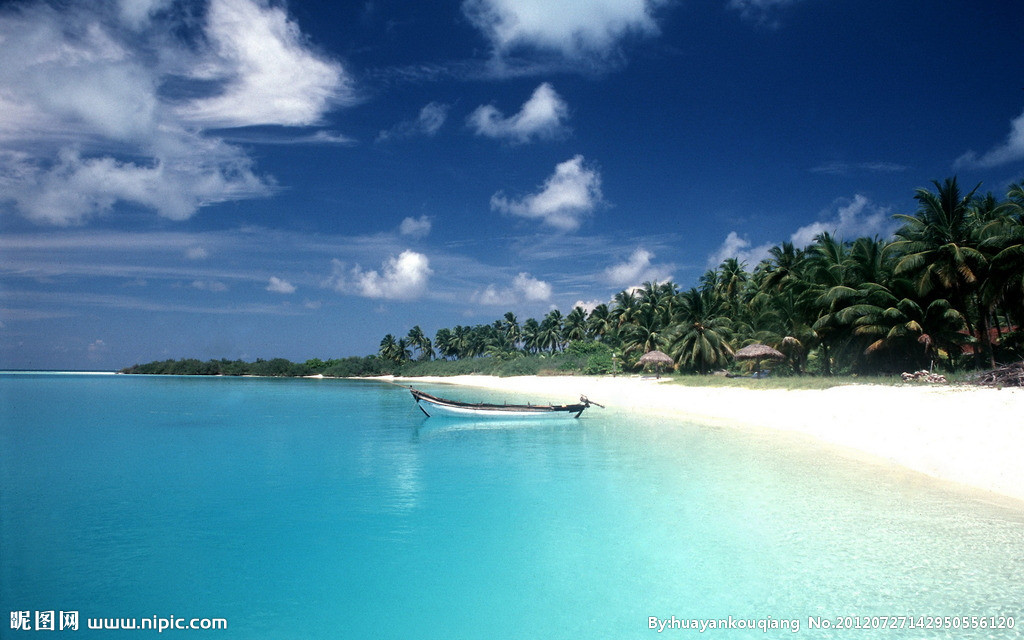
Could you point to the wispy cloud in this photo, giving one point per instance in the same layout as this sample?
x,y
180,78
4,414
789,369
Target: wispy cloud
x,y
415,227
851,219
845,168
740,248
100,107
637,269
762,12
524,287
542,116
566,197
429,121
1011,150
279,285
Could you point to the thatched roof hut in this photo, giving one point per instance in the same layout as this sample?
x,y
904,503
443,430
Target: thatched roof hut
x,y
656,359
758,352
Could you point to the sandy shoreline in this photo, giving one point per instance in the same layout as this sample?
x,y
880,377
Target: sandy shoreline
x,y
971,436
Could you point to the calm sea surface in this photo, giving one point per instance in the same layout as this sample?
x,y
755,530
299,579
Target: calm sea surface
x,y
332,509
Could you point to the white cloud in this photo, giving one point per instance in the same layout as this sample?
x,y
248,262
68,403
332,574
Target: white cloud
x,y
569,28
430,120
76,189
277,285
532,289
588,305
98,106
542,116
197,253
400,278
856,218
415,227
569,194
736,247
524,288
636,270
1010,151
268,74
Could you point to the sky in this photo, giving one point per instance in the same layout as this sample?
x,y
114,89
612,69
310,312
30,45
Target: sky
x,y
258,179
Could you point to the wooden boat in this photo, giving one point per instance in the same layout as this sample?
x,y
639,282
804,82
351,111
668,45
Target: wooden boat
x,y
432,405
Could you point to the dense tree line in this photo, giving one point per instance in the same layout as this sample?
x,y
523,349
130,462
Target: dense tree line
x,y
947,290
277,367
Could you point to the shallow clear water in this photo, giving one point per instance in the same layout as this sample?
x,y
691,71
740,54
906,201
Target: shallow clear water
x,y
333,509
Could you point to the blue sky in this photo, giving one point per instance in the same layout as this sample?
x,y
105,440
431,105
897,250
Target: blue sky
x,y
245,178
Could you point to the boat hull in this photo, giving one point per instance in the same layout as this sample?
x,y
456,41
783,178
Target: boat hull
x,y
434,406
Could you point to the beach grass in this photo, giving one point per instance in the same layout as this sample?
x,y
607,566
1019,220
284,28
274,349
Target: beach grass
x,y
782,382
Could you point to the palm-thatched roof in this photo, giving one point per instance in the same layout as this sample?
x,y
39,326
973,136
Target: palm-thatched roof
x,y
656,357
758,352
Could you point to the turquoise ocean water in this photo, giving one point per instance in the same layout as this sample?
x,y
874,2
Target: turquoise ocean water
x,y
332,509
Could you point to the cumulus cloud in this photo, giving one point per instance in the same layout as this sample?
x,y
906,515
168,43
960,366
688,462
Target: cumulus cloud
x,y
98,106
278,285
740,248
415,227
1009,151
266,72
568,195
430,120
567,28
852,219
636,270
400,278
524,288
542,116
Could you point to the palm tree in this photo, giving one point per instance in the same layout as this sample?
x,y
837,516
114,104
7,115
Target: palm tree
x,y
646,332
510,327
896,323
445,343
700,340
938,248
625,306
575,325
551,331
531,335
388,348
420,340
600,323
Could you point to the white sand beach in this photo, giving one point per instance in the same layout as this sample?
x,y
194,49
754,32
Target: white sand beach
x,y
971,436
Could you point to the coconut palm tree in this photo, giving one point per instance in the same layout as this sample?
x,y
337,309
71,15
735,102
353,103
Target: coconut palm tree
x,y
445,343
575,325
421,342
600,324
531,335
700,339
551,331
388,348
512,331
903,328
939,249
